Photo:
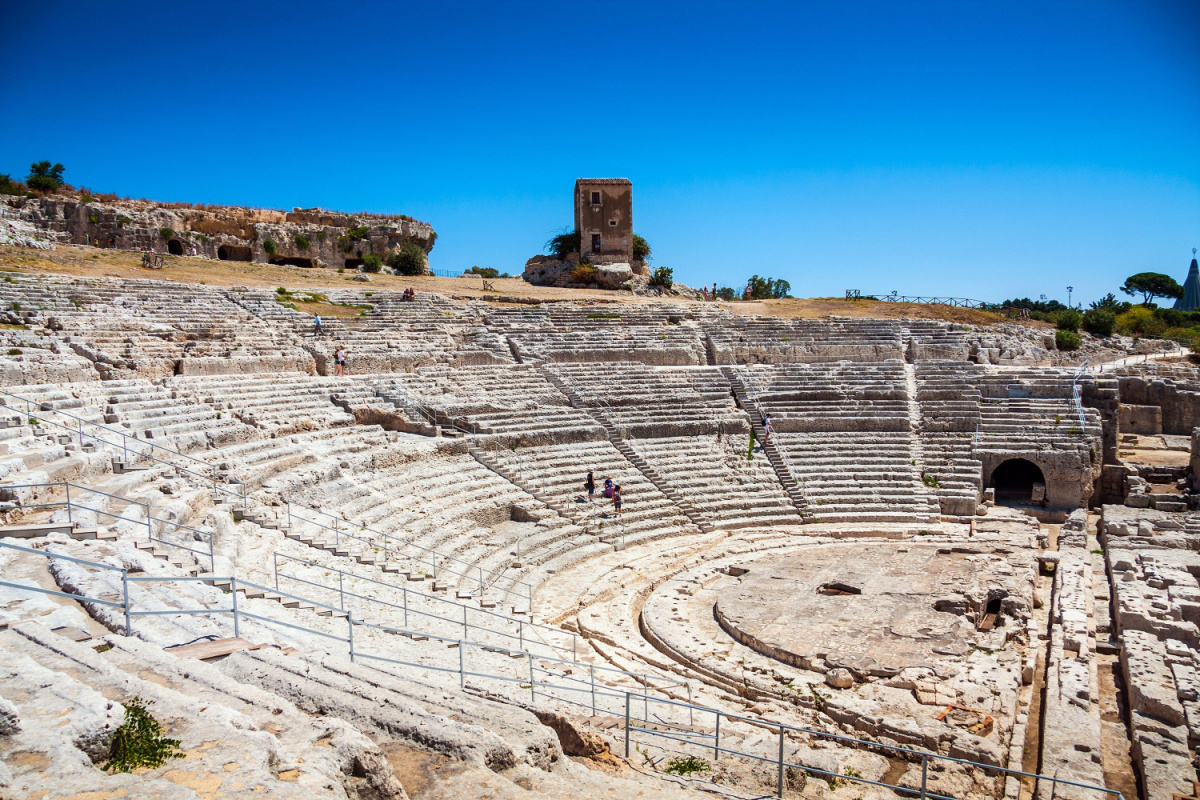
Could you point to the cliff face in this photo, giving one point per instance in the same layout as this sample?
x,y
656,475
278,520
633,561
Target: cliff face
x,y
302,237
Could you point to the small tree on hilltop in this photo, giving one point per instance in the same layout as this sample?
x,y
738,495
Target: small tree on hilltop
x,y
1151,285
408,260
662,277
564,244
43,177
9,186
768,288
641,248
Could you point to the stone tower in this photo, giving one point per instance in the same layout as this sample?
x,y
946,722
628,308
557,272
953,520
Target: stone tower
x,y
604,219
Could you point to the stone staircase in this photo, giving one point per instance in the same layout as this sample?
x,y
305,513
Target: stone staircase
x,y
790,485
618,441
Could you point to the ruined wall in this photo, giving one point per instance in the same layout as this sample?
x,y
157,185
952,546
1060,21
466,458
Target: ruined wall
x,y
304,237
1180,406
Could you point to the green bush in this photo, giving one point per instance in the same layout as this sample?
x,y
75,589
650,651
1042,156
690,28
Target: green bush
x,y
1067,340
586,272
768,288
93,218
139,742
9,186
1099,322
641,248
166,234
563,244
1140,321
1068,320
270,248
483,272
372,263
355,233
408,260
43,177
301,241
686,766
663,276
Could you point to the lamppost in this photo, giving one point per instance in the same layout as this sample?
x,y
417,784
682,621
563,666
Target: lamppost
x,y
1069,290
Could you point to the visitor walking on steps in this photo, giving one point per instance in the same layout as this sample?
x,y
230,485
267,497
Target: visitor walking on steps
x,y
590,486
617,499
317,329
766,429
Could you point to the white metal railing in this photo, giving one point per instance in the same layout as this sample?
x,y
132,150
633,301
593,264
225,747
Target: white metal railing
x,y
560,682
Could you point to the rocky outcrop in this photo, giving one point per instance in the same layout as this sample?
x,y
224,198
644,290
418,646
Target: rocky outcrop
x,y
550,271
301,237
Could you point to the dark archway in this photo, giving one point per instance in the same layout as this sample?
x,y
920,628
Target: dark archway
x,y
1014,479
175,247
353,263
234,252
293,261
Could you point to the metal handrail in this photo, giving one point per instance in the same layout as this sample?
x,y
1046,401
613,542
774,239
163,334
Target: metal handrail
x,y
431,560
78,430
405,591
752,393
675,732
150,518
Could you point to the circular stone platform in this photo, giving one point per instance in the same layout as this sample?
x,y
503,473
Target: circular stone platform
x,y
873,609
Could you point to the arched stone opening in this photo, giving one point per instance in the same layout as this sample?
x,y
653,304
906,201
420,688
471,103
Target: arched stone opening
x,y
175,247
353,263
1014,479
234,252
293,261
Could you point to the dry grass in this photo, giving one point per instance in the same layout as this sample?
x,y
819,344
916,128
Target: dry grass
x,y
87,261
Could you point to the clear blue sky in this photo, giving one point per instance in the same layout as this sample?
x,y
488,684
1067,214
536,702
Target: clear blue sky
x,y
978,149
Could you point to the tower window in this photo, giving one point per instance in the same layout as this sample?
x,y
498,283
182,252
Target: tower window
x,y
612,222
595,198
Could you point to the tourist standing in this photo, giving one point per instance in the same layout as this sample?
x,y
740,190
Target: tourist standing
x,y
590,485
617,499
341,360
317,329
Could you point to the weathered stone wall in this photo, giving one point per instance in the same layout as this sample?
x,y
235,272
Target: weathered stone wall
x,y
224,233
1180,407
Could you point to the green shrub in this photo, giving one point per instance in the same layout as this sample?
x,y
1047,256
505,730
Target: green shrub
x,y
12,351
1099,322
123,221
282,290
641,248
355,233
43,177
93,218
1140,321
1067,340
139,742
9,186
408,260
563,244
301,241
372,263
270,248
768,288
686,766
1068,320
166,234
585,273
483,272
663,276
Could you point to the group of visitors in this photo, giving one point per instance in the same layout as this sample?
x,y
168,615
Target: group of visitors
x,y
408,295
340,368
98,241
612,491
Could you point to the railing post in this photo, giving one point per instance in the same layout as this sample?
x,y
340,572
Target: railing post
x,y
276,555
779,791
212,556
717,739
124,449
645,698
627,724
125,591
236,628
70,520
350,622
465,636
461,672
341,591
521,634
592,670
532,689
405,591
924,774
79,428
